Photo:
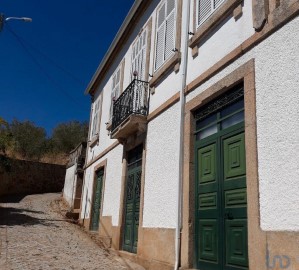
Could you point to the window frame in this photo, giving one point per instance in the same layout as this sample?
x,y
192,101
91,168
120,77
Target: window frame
x,y
157,28
211,13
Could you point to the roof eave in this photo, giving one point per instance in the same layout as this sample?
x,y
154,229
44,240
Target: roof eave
x,y
89,89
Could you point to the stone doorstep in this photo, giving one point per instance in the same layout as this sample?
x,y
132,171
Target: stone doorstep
x,y
146,264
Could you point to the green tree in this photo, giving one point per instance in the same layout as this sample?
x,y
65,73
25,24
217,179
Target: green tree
x,y
28,139
66,136
5,136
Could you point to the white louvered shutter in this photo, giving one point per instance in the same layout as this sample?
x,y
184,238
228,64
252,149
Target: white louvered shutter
x,y
165,38
217,3
143,55
115,92
170,43
138,56
205,8
96,120
160,39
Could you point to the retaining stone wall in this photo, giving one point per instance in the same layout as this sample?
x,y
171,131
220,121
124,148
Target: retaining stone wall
x,y
29,177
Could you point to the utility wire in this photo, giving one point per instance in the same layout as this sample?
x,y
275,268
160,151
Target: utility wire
x,y
58,87
75,79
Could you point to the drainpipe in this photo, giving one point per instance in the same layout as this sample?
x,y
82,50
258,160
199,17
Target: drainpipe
x,y
181,140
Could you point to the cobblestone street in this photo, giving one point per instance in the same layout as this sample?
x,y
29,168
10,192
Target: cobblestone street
x,y
35,236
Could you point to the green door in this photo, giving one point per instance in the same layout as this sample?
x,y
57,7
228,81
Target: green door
x,y
221,201
97,199
132,203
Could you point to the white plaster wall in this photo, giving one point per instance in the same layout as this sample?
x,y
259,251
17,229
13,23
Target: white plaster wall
x,y
278,129
69,185
277,95
161,173
165,90
112,188
226,37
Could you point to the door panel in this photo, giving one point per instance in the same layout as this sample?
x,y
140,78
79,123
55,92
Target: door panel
x,y
209,240
234,157
235,200
129,219
236,244
207,164
97,199
132,203
222,202
208,205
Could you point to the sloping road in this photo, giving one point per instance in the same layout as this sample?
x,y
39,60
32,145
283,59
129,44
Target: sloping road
x,y
35,236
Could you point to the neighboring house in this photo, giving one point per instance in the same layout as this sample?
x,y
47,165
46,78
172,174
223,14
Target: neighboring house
x,y
192,159
72,190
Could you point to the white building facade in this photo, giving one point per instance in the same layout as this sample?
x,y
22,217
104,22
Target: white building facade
x,y
192,159
73,181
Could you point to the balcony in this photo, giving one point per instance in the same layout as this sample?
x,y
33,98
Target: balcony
x,y
130,111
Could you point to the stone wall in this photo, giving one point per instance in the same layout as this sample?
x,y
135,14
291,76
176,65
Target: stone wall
x,y
29,177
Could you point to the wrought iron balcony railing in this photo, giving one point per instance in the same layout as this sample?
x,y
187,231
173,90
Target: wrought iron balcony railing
x,y
133,101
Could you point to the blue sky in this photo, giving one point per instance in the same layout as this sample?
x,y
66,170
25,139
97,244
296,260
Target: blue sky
x,y
46,65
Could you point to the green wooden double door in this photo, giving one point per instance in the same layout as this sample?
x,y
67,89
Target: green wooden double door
x,y
97,200
221,200
132,200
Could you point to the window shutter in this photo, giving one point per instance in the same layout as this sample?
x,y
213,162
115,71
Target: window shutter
x,y
170,6
161,15
96,120
160,41
143,62
165,38
115,92
138,57
169,40
160,47
204,10
217,3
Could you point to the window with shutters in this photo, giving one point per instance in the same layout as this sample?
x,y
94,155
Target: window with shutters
x,y
139,56
96,117
205,8
115,92
165,32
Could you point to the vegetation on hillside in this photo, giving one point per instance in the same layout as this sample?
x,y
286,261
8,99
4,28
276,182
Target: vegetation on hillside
x,y
23,139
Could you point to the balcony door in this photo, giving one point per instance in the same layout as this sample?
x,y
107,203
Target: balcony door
x,y
138,70
139,57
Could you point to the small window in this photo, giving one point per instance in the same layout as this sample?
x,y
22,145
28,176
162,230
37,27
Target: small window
x,y
96,117
205,8
165,32
115,92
